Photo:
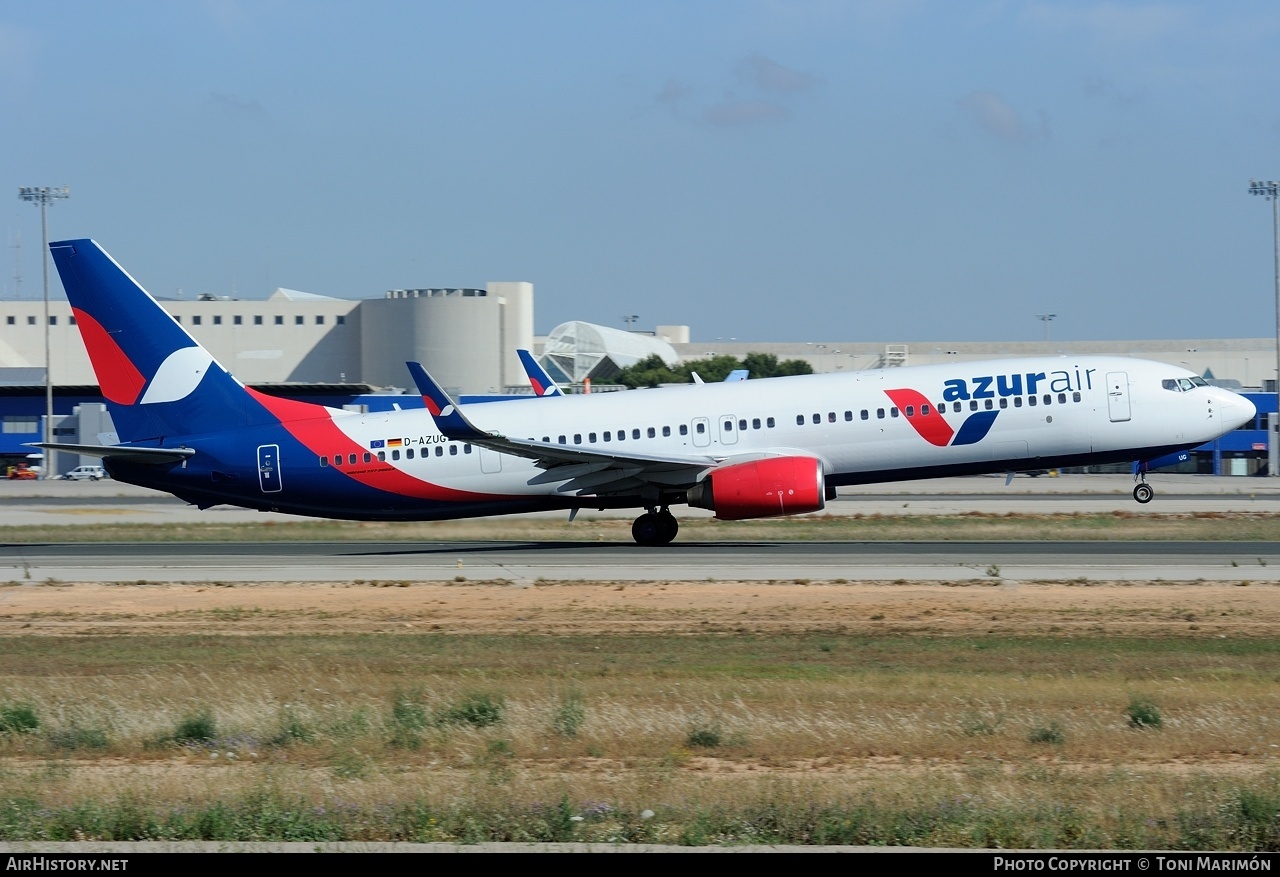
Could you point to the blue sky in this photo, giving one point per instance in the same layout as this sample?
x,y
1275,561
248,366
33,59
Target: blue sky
x,y
888,170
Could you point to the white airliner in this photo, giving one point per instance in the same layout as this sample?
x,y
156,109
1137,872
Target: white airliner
x,y
744,449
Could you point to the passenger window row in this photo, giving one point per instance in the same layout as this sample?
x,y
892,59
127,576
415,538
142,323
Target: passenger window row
x,y
636,433
409,454
956,407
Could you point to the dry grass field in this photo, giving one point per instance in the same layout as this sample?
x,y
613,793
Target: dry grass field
x,y
1033,716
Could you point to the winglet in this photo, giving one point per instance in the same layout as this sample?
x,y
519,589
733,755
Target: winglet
x,y
538,377
449,419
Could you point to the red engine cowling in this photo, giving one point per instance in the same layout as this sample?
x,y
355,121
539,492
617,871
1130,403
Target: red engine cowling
x,y
762,489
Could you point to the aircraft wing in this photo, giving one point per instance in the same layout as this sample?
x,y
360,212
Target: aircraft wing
x,y
584,470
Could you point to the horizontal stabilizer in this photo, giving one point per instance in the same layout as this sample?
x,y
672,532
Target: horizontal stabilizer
x,y
154,456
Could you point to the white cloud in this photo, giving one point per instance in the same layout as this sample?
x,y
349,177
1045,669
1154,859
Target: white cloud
x,y
744,112
236,104
767,75
1112,22
993,114
18,48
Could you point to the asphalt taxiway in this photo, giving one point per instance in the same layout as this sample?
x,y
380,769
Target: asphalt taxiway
x,y
83,503
525,563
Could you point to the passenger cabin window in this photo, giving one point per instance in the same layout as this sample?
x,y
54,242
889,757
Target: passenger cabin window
x,y
817,418
684,430
769,423
395,455
755,423
337,459
702,427
911,411
799,420
865,414
635,433
351,459
652,433
408,453
666,431
466,449
591,436
439,450
453,450
368,457
577,438
608,435
879,414
742,424
324,461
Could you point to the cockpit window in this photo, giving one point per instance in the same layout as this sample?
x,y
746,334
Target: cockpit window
x,y
1182,385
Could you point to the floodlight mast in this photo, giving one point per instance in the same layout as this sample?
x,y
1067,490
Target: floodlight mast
x,y
1269,190
44,196
1045,318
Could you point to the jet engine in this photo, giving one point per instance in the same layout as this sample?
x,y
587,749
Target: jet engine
x,y
762,489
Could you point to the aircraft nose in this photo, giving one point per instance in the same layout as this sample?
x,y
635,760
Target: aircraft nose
x,y
1237,410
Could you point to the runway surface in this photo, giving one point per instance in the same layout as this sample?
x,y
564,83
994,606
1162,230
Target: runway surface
x,y
524,563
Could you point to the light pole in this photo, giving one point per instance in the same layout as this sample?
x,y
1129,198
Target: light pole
x,y
44,196
1268,190
1045,318
630,320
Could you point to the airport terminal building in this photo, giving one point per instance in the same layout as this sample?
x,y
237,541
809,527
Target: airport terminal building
x,y
345,352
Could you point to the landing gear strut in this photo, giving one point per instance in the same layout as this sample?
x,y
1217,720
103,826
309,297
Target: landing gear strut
x,y
1142,492
655,527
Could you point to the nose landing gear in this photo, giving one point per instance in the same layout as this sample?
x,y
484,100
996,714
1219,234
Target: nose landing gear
x,y
655,527
1142,491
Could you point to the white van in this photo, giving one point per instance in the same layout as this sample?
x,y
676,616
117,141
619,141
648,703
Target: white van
x,y
86,473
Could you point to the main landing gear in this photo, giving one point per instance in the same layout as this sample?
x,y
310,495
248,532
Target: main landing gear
x,y
655,527
1142,492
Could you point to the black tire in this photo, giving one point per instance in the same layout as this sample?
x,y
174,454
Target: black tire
x,y
670,527
1143,493
647,530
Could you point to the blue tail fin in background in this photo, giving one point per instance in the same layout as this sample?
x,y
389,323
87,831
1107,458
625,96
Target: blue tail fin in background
x,y
158,381
538,377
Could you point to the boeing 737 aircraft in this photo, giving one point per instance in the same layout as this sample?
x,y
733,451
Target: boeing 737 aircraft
x,y
743,449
